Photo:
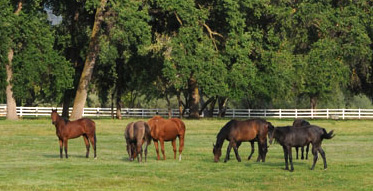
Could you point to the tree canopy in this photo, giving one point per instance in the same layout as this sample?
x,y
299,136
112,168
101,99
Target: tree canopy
x,y
253,54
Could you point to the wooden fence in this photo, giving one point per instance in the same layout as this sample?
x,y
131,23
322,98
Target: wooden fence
x,y
230,113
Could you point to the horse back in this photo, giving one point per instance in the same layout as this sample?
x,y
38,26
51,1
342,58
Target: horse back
x,y
247,130
79,127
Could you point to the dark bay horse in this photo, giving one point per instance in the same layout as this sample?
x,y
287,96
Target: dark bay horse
x,y
66,130
136,134
237,132
300,123
167,130
289,136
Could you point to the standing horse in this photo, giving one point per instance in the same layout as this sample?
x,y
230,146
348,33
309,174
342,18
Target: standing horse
x,y
66,130
167,130
136,134
297,137
300,123
237,132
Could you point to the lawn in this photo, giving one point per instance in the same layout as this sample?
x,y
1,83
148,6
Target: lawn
x,y
29,160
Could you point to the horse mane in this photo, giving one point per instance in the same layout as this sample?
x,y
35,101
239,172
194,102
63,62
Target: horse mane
x,y
223,133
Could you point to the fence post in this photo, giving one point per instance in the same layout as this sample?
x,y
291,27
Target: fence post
x,y
249,113
311,113
327,113
296,113
280,113
359,113
20,111
234,114
343,114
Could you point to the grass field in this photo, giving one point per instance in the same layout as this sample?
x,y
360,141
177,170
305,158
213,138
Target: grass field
x,y
29,160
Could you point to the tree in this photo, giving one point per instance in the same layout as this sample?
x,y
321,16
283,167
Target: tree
x,y
36,72
93,50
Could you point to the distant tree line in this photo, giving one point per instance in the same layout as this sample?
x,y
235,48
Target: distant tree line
x,y
203,53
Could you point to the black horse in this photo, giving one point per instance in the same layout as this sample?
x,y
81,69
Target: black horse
x,y
297,137
300,123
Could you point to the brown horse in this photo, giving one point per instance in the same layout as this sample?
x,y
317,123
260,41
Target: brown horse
x,y
167,130
136,134
66,130
237,132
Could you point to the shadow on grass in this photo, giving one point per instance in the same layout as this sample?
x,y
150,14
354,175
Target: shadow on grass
x,y
58,156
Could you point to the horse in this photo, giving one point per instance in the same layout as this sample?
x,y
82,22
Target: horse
x,y
237,132
136,134
66,130
299,123
288,137
167,130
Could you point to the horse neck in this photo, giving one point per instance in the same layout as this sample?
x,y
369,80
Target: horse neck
x,y
60,123
220,139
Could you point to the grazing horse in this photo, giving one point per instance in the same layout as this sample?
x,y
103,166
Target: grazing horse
x,y
297,137
237,132
136,134
167,130
66,130
300,123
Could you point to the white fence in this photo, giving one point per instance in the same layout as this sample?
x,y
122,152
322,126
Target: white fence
x,y
230,113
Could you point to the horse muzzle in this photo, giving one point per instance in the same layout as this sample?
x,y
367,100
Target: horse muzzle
x,y
53,122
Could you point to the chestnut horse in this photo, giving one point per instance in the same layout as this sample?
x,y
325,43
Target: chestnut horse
x,y
136,134
237,132
167,130
300,123
66,130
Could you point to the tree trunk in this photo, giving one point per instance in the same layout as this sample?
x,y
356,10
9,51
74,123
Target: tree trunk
x,y
11,113
169,107
67,96
313,101
119,104
180,105
85,78
222,106
194,98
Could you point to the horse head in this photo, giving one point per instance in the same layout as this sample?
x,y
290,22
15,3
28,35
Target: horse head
x,y
271,132
217,152
54,116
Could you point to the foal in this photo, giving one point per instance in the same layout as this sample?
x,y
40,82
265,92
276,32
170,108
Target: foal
x,y
66,130
297,137
136,134
300,123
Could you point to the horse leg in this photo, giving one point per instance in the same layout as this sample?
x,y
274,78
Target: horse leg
x,y
252,150
86,145
139,151
296,150
314,152
93,143
322,153
146,150
156,148
129,150
234,145
286,155
65,146
264,149
161,141
290,158
173,142
61,147
181,146
260,152
302,149
307,149
228,152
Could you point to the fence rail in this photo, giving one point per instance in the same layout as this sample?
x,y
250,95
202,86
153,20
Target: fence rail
x,y
230,113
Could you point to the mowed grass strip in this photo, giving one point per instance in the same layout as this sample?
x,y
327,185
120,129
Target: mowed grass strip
x,y
29,160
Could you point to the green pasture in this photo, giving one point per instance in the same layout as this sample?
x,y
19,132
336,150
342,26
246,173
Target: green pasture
x,y
29,160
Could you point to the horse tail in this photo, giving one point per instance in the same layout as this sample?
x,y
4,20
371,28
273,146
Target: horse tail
x,y
326,135
148,136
